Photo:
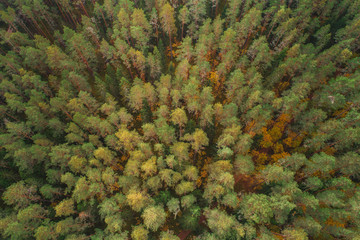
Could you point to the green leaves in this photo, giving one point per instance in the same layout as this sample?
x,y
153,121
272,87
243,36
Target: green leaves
x,y
154,217
219,222
238,118
321,163
257,208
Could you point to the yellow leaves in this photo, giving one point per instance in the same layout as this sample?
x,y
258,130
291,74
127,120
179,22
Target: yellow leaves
x,y
114,187
204,169
137,199
260,157
217,83
202,153
288,141
293,140
243,51
283,119
214,77
176,44
270,137
281,87
77,164
65,208
276,133
278,148
267,139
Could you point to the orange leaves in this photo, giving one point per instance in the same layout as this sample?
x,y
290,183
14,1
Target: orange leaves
x,y
191,154
267,139
204,169
283,120
293,140
281,87
248,128
203,176
138,220
277,156
272,145
270,137
289,141
173,53
203,173
118,167
331,222
260,157
114,187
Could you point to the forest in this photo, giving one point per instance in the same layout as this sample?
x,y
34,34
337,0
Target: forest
x,y
179,119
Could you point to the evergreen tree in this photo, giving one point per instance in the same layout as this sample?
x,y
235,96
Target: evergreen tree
x,y
196,119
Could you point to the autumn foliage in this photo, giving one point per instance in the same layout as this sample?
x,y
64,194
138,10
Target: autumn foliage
x,y
168,119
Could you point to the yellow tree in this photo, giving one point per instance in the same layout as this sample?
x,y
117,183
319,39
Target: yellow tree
x,y
168,22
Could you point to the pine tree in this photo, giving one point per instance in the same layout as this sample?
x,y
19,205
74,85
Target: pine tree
x,y
196,119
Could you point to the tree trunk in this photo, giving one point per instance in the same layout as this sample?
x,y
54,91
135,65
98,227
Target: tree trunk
x,y
170,45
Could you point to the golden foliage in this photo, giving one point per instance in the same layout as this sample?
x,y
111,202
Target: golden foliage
x,y
248,128
114,187
331,222
173,53
277,156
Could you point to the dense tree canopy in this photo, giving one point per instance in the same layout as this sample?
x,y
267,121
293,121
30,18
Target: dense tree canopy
x,y
169,119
